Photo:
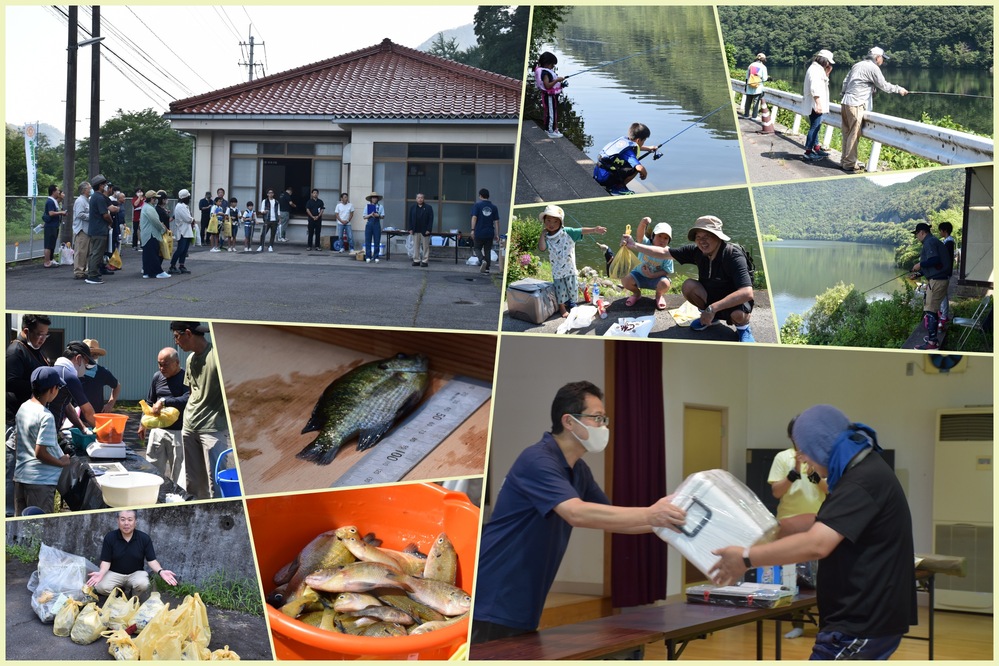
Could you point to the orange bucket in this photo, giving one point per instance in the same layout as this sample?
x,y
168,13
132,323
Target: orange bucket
x,y
110,428
398,515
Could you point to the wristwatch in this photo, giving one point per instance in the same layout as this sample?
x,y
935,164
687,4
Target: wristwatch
x,y
745,558
710,309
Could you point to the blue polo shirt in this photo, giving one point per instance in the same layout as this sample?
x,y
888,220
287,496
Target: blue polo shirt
x,y
524,541
127,557
486,218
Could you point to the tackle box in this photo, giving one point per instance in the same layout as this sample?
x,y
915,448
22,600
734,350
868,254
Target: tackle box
x,y
721,511
531,300
747,595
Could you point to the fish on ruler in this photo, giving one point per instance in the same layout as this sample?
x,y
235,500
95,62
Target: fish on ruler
x,y
365,402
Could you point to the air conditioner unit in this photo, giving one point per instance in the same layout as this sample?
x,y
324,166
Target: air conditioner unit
x,y
962,506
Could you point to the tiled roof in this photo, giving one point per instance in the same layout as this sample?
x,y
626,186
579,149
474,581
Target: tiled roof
x,y
382,81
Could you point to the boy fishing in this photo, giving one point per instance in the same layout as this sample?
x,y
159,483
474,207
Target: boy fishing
x,y
619,161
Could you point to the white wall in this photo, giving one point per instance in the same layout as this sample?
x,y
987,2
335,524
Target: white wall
x,y
761,388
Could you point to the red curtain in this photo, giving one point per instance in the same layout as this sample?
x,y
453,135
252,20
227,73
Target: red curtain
x,y
638,562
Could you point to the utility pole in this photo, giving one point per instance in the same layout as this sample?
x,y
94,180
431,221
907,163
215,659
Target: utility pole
x,y
69,145
249,65
95,93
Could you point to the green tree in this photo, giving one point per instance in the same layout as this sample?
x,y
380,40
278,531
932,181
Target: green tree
x,y
545,22
445,48
140,149
49,166
502,38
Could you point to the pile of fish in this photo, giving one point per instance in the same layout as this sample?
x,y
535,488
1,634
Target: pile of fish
x,y
344,582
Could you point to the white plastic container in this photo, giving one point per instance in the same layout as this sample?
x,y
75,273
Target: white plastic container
x,y
133,488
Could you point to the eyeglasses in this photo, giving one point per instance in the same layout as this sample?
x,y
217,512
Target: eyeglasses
x,y
38,336
599,418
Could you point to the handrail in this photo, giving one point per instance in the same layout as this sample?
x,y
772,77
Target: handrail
x,y
939,144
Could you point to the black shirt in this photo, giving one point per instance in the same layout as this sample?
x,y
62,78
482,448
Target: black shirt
x,y
285,200
205,205
866,586
314,206
174,393
127,557
721,276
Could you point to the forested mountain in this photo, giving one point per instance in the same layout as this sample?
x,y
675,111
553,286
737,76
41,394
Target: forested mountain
x,y
856,209
928,36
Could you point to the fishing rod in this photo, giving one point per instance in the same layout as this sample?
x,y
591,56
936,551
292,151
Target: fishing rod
x,y
887,281
656,154
606,64
912,92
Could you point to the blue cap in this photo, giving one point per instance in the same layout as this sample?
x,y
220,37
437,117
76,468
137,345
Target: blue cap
x,y
45,377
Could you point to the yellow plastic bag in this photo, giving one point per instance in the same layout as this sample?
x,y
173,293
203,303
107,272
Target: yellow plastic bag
x,y
88,626
166,648
160,624
120,645
166,418
66,617
624,261
213,224
148,610
115,259
166,245
119,609
225,655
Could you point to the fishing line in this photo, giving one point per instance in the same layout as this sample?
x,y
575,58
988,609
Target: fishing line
x,y
606,64
657,154
886,282
911,92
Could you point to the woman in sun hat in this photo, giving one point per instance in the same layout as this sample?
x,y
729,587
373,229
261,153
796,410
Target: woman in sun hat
x,y
374,213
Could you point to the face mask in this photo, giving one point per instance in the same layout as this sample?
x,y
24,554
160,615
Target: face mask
x,y
597,438
32,344
91,371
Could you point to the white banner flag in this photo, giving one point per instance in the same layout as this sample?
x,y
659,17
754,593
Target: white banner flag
x,y
30,156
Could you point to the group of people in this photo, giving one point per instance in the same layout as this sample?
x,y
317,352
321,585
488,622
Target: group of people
x,y
861,531
484,230
863,80
42,395
937,257
722,291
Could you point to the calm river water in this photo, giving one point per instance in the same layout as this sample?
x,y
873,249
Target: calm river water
x,y
666,89
800,270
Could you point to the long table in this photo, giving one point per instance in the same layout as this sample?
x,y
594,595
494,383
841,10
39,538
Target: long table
x,y
675,622
392,233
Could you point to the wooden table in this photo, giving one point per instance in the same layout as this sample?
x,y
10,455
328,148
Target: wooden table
x,y
676,623
274,375
392,233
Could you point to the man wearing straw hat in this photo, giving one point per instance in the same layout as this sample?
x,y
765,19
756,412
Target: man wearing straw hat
x,y
205,434
374,213
723,289
96,377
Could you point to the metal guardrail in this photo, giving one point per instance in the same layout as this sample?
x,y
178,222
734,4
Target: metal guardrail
x,y
945,146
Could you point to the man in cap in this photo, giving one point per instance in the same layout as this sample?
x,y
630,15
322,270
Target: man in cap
x,y
815,102
96,377
724,286
39,458
862,533
858,89
102,218
72,365
756,75
936,264
548,491
81,224
205,434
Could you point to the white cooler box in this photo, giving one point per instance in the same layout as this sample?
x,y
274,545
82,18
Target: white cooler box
x,y
721,511
531,300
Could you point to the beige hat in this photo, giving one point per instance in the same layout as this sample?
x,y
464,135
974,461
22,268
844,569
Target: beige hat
x,y
708,223
151,194
761,56
95,348
552,210
372,196
663,228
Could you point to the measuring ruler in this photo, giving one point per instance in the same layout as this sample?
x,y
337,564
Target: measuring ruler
x,y
417,436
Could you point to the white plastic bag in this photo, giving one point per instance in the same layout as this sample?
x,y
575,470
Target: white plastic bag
x,y
632,327
409,245
580,316
59,575
472,261
492,255
66,255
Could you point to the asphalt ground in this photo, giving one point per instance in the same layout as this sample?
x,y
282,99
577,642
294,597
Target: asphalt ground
x,y
762,322
289,284
28,638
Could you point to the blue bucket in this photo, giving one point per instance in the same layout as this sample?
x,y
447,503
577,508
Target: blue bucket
x,y
228,479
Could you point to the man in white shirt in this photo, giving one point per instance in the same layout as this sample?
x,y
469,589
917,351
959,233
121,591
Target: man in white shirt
x,y
270,214
344,212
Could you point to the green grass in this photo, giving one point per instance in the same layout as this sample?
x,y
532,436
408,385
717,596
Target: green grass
x,y
27,555
221,591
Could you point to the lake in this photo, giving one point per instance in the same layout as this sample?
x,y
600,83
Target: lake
x,y
679,210
975,113
667,89
800,270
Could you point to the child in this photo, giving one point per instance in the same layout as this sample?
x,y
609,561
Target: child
x,y
249,221
550,86
618,162
561,245
215,224
652,273
39,458
946,230
231,224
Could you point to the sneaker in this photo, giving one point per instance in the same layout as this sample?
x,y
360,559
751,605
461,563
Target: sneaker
x,y
214,249
745,334
929,344
619,191
260,249
422,264
367,261
794,633
554,135
376,260
145,277
812,157
308,249
183,269
270,248
819,150
163,275
246,249
172,270
96,280
416,263
696,325
860,168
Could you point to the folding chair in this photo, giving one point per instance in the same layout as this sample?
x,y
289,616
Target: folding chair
x,y
980,321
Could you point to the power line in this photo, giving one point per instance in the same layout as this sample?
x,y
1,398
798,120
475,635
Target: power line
x,y
226,21
153,32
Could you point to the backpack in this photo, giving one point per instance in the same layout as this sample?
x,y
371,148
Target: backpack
x,y
750,262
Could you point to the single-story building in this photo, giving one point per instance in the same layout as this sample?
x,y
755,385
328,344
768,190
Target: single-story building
x,y
386,118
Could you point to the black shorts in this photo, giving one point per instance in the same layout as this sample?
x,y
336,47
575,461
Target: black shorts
x,y
726,314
